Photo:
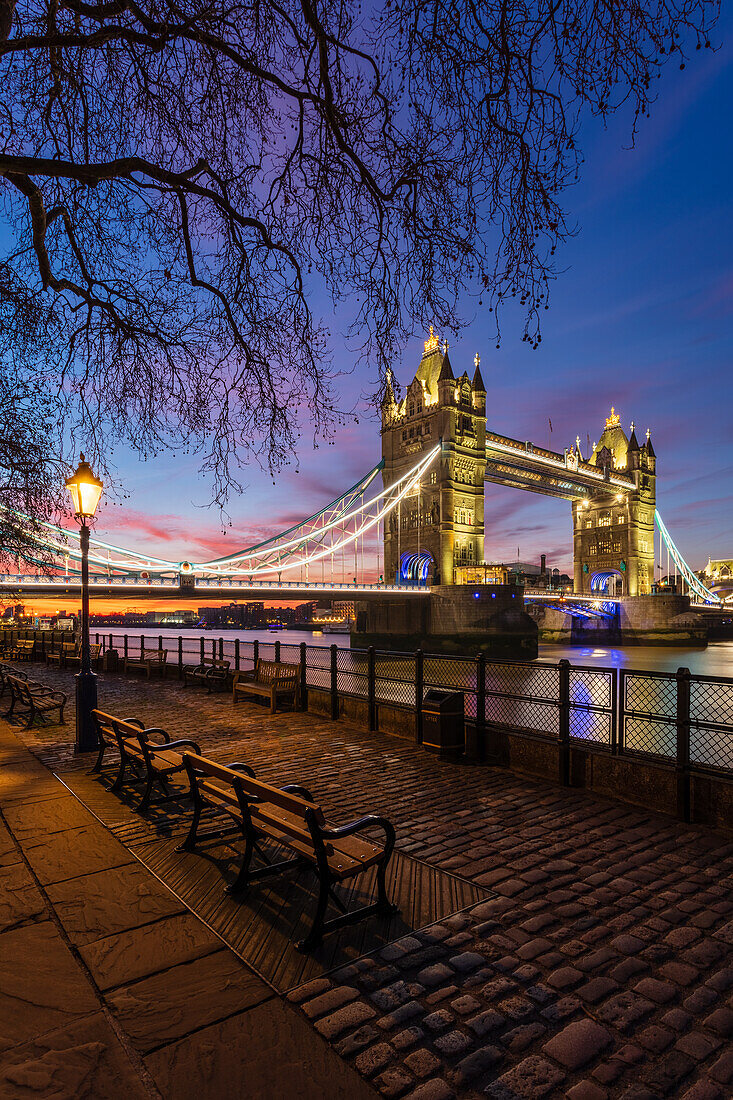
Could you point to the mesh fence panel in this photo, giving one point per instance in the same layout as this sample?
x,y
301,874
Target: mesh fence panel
x,y
651,736
524,681
591,725
521,713
453,674
711,702
591,687
395,679
711,748
290,654
649,693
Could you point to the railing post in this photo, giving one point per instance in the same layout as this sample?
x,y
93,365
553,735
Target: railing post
x,y
124,645
564,724
334,684
372,688
111,641
418,695
221,649
475,746
683,744
180,657
142,646
160,641
255,652
277,650
201,648
615,718
303,676
236,654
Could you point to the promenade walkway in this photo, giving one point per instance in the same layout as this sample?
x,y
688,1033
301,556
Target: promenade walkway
x,y
583,948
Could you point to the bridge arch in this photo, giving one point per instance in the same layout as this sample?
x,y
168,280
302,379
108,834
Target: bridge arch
x,y
414,568
606,582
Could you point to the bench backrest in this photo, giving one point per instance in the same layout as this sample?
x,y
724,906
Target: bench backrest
x,y
269,671
25,643
19,687
155,655
215,662
111,728
253,790
70,647
94,651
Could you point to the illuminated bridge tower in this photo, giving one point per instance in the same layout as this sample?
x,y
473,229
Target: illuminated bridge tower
x,y
441,526
613,533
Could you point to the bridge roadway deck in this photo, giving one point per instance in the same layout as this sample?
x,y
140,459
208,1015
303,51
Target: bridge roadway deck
x,y
600,966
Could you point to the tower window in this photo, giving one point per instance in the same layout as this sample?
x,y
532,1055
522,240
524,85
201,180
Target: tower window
x,y
604,520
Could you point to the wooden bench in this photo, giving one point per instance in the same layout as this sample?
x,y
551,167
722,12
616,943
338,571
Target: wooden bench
x,y
6,671
150,659
37,698
291,817
149,750
60,656
95,652
211,672
270,679
22,650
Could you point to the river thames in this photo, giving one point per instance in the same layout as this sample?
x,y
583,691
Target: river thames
x,y
714,660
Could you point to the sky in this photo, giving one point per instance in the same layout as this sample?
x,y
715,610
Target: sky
x,y
640,319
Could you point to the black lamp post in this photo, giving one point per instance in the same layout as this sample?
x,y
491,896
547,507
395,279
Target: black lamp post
x,y
85,490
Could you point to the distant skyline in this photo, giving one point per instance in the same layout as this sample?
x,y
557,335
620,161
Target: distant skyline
x,y
640,318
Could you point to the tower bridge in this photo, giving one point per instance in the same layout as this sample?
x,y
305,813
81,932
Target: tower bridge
x,y
420,534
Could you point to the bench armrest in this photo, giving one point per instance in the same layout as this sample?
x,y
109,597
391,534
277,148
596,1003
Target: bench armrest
x,y
245,674
134,722
359,825
184,741
239,767
154,729
295,788
57,695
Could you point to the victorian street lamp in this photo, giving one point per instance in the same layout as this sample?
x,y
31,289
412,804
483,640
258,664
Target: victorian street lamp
x,y
85,490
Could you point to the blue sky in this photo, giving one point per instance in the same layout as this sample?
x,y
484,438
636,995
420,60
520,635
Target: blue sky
x,y
640,318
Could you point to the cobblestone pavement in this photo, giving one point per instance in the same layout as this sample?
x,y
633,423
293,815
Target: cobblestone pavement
x,y
601,967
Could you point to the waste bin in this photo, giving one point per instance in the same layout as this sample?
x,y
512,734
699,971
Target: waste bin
x,y
111,661
442,723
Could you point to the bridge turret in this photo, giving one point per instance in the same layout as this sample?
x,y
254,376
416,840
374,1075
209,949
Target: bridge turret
x,y
614,527
444,522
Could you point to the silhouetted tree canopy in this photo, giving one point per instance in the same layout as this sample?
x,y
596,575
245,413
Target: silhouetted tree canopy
x,y
190,186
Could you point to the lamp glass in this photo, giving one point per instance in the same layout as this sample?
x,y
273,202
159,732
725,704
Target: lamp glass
x,y
85,490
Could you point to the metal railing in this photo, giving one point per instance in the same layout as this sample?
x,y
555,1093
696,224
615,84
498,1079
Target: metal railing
x,y
676,719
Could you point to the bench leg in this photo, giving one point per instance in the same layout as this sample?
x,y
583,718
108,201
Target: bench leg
x,y
190,842
120,774
145,800
315,935
100,755
243,876
384,905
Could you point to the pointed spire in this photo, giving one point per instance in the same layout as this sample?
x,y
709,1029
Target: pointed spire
x,y
478,382
649,449
633,441
446,371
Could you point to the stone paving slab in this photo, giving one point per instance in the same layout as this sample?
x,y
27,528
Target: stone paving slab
x,y
9,852
167,1006
41,986
75,852
83,1061
140,952
28,819
28,781
269,1053
20,900
110,901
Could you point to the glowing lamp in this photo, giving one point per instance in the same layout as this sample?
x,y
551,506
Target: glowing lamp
x,y
85,490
